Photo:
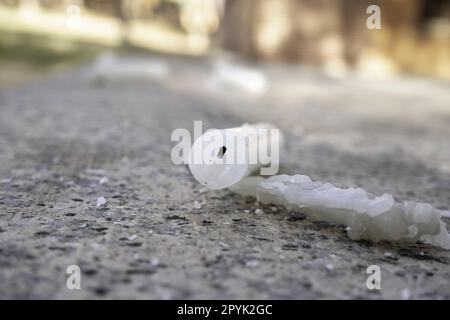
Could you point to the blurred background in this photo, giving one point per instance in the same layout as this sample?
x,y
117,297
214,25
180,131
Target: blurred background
x,y
38,35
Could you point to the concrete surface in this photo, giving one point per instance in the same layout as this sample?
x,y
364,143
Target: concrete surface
x,y
59,137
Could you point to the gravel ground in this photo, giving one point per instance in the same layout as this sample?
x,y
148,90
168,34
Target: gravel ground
x,y
161,236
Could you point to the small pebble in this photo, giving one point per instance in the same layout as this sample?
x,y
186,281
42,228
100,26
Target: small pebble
x,y
101,201
259,211
154,262
103,180
197,205
389,255
223,244
96,245
251,264
133,237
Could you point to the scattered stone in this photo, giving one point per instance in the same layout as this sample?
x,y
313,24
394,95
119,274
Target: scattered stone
x,y
197,205
154,262
203,190
251,264
329,267
101,201
390,256
104,180
223,244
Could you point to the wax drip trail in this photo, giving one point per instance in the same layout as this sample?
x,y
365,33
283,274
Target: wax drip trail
x,y
366,216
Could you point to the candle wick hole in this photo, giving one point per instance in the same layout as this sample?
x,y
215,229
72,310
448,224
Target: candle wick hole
x,y
221,152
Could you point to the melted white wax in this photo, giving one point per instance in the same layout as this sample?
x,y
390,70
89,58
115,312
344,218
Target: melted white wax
x,y
366,216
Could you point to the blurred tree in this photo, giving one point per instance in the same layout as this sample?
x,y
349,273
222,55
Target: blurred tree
x,y
123,18
236,29
302,30
333,34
